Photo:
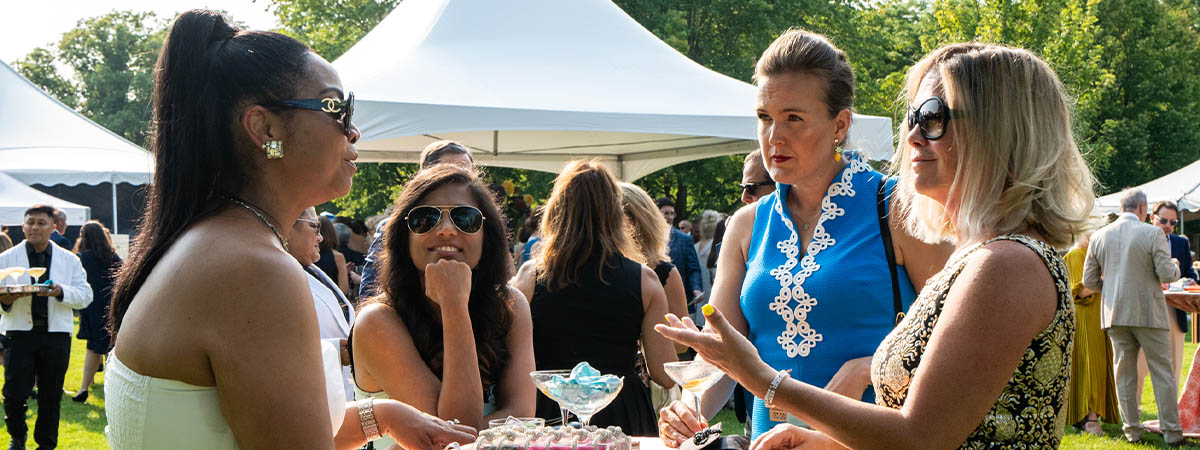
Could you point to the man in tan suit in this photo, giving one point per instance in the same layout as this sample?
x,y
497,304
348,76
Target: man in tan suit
x,y
1127,261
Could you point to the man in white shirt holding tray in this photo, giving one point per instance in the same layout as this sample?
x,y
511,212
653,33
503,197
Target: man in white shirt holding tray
x,y
39,327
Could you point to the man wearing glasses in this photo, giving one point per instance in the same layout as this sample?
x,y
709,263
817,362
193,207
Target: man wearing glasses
x,y
1166,217
756,182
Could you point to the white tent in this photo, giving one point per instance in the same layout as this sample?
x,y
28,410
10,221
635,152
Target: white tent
x,y
45,142
16,197
1181,186
535,83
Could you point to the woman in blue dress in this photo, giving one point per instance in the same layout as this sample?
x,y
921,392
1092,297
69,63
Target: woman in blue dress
x,y
804,272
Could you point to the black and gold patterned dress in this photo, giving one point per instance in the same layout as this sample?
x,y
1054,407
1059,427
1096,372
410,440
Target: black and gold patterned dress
x,y
1029,412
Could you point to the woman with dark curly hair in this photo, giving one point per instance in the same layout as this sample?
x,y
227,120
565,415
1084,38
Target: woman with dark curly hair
x,y
450,348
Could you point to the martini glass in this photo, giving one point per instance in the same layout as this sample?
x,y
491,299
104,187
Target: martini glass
x,y
15,272
694,376
544,379
589,400
36,272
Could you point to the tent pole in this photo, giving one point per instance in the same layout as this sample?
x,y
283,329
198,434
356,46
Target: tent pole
x,y
113,180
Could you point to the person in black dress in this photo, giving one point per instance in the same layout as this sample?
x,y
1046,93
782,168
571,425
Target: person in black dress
x,y
100,261
592,298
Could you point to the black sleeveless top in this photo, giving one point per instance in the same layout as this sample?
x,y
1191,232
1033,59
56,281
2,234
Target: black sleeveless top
x,y
598,320
663,270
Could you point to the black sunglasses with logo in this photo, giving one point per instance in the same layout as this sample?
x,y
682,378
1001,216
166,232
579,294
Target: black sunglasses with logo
x,y
1164,221
424,218
752,188
931,116
341,110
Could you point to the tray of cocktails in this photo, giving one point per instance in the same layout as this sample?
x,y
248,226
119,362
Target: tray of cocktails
x,y
24,274
26,289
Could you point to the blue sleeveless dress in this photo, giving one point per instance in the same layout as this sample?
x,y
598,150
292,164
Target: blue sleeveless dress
x,y
811,311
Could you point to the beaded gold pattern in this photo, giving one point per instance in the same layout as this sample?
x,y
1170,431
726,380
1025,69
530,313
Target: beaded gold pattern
x,y
1029,412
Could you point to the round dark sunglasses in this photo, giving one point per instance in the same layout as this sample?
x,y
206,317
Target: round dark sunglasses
x,y
341,110
424,218
931,116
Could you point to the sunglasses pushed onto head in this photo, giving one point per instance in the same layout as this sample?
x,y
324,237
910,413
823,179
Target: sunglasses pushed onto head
x,y
423,219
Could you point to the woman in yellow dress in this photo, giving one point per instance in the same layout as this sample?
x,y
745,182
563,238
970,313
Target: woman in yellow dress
x,y
1093,392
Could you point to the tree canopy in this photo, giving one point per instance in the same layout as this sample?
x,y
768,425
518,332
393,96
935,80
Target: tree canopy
x,y
1132,67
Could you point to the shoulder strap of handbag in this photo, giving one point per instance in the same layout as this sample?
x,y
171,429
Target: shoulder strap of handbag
x,y
885,232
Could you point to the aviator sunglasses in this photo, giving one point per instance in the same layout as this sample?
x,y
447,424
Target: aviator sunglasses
x,y
424,218
752,188
1164,221
931,116
341,110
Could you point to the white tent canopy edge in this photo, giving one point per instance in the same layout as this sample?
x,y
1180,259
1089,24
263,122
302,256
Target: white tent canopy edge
x,y
16,197
46,142
535,83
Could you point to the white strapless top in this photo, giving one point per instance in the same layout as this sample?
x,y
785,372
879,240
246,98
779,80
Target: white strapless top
x,y
154,413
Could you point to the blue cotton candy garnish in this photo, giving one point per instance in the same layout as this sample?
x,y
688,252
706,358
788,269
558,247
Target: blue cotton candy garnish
x,y
585,385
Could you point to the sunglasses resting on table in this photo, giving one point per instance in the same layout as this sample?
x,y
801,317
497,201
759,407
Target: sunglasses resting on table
x,y
423,219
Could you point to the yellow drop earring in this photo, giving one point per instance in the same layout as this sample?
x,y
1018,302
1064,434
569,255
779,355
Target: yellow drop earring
x,y
837,155
274,149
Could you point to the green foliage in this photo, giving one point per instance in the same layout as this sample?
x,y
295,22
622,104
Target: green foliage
x,y
38,68
1132,67
113,59
330,27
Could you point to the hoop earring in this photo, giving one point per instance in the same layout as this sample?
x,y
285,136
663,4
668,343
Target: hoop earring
x,y
274,149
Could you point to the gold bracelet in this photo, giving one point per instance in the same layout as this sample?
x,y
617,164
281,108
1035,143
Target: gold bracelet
x,y
366,417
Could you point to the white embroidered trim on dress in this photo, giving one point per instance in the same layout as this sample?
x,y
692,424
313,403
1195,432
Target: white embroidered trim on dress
x,y
791,287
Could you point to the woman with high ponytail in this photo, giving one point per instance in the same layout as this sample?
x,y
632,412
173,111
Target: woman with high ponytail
x,y
215,337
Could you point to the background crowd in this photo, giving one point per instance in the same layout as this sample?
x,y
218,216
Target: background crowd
x,y
847,303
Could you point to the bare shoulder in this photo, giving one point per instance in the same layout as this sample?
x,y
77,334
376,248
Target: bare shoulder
x,y
649,279
1014,281
377,315
517,302
741,226
525,278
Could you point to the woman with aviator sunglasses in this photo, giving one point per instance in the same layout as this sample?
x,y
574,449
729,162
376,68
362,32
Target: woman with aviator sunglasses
x,y
446,334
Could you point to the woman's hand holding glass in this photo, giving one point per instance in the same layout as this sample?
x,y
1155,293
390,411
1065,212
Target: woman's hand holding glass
x,y
720,345
678,422
448,283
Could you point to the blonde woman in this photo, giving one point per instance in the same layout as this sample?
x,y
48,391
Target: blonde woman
x,y
983,357
810,273
650,234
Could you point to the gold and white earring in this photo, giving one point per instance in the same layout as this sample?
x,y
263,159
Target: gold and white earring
x,y
274,149
837,155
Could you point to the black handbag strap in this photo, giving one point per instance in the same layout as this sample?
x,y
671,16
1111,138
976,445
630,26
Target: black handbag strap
x,y
885,233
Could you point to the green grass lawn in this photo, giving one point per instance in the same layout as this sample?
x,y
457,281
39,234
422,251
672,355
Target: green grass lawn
x,y
82,425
